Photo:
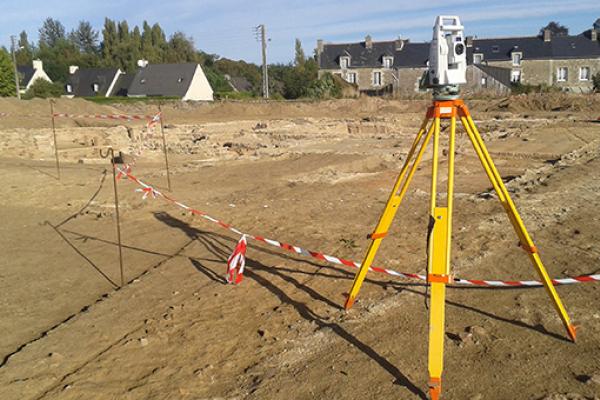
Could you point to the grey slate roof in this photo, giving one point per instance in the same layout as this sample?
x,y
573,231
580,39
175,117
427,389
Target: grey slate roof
x,y
163,80
534,48
416,54
25,74
83,81
240,83
500,74
360,55
122,86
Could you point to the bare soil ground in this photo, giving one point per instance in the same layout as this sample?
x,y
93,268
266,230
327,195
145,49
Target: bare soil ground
x,y
312,174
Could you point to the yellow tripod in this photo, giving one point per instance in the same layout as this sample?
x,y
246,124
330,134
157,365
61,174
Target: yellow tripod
x,y
440,228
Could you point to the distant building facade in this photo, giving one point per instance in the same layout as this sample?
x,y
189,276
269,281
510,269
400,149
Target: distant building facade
x,y
567,62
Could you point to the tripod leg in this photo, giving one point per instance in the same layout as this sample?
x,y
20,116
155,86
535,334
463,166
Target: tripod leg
x,y
515,219
438,267
391,208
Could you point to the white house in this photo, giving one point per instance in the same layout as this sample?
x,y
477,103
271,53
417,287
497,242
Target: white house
x,y
28,74
186,81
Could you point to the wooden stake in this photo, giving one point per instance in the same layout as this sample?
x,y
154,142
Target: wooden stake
x,y
164,140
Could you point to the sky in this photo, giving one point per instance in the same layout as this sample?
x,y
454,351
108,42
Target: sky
x,y
226,27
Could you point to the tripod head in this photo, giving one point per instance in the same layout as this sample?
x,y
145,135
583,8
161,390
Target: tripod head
x,y
447,66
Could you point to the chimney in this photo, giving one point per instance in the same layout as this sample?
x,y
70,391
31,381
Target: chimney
x,y
547,35
320,46
142,63
38,65
368,42
73,69
469,41
399,44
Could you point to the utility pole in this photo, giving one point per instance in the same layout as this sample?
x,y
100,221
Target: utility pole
x,y
14,57
260,30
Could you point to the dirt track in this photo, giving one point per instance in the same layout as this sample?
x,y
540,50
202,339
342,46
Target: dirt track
x,y
315,175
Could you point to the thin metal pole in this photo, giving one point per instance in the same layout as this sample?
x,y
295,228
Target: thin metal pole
x,y
263,37
164,140
111,153
14,57
55,142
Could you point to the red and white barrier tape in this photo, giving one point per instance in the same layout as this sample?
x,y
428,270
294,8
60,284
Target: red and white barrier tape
x,y
146,189
237,262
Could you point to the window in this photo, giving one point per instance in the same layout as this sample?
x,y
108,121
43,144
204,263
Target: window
x,y
351,77
96,87
495,49
562,74
388,62
69,89
345,62
484,81
515,76
377,78
477,58
584,73
516,59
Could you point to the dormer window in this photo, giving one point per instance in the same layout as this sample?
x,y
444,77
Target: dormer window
x,y
478,58
344,62
95,87
388,61
516,59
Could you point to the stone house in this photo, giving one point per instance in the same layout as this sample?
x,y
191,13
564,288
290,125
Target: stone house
x,y
568,62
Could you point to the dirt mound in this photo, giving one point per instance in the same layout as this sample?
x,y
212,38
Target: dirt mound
x,y
181,112
545,102
36,113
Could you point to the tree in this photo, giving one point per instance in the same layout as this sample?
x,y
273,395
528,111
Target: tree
x,y
556,29
85,38
180,49
24,53
51,32
596,82
43,89
299,58
109,41
7,77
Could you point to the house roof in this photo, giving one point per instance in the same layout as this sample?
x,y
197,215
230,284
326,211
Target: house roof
x,y
83,80
500,74
535,48
163,80
239,83
122,85
414,55
360,55
25,74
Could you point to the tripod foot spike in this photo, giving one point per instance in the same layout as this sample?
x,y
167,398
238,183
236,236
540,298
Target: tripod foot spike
x,y
572,332
435,388
349,303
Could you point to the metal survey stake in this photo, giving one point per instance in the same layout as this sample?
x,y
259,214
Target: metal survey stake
x,y
110,152
446,72
164,140
55,142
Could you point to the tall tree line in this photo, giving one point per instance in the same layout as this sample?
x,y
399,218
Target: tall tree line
x,y
116,45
